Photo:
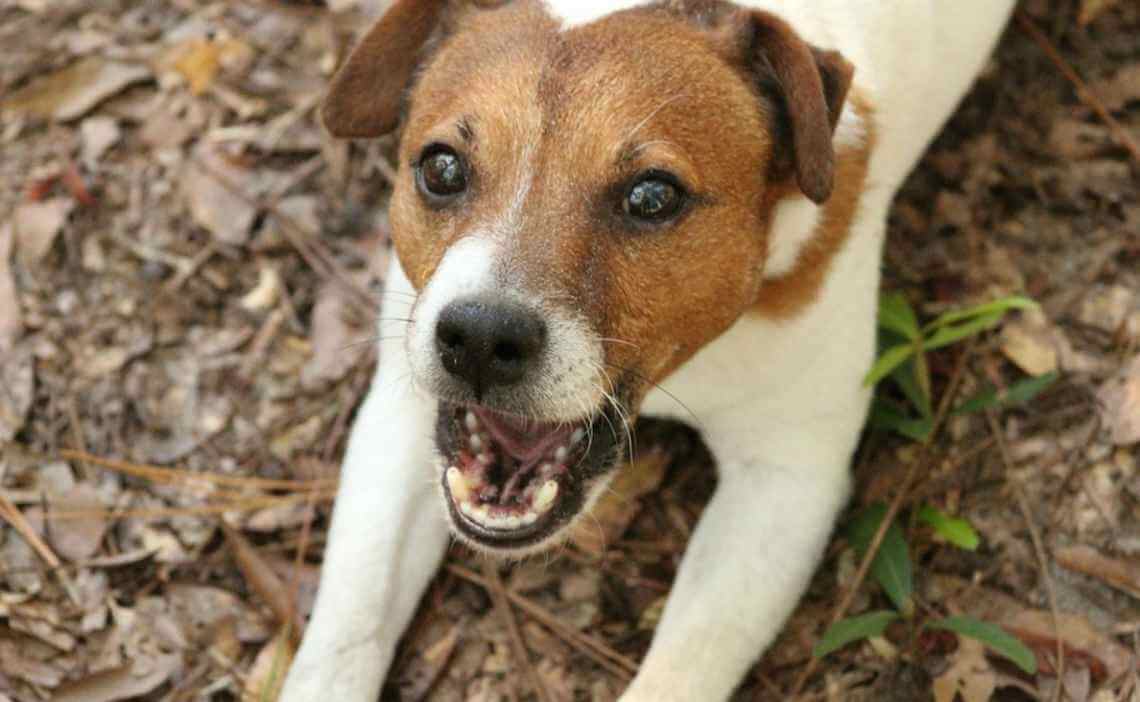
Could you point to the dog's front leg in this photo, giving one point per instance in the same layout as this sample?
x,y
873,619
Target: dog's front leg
x,y
748,562
387,538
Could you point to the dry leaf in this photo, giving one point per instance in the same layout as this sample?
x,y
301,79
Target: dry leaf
x,y
11,319
617,508
97,135
76,522
261,578
1119,400
199,60
140,677
267,291
17,390
1121,89
969,676
75,90
336,344
1091,9
266,676
207,187
1030,346
38,224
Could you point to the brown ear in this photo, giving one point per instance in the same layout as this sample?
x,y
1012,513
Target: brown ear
x,y
368,90
812,84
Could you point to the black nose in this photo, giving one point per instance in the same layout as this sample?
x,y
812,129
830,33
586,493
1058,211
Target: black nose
x,y
489,343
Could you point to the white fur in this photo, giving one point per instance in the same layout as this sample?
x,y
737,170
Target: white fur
x,y
779,403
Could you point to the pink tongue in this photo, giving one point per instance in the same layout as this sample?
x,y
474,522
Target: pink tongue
x,y
526,441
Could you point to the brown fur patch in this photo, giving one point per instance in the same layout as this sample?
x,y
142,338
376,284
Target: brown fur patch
x,y
786,296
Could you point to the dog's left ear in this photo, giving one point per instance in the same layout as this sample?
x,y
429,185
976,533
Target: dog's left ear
x,y
367,93
811,84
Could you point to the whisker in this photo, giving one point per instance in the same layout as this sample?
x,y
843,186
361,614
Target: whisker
x,y
624,369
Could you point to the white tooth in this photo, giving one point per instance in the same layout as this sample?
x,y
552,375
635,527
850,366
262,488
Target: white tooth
x,y
467,508
545,496
561,454
457,483
471,421
485,459
482,514
529,518
577,436
476,443
511,522
546,470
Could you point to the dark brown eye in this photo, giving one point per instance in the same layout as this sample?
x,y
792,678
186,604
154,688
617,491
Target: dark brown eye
x,y
653,198
441,172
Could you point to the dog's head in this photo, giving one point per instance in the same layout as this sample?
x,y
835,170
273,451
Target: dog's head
x,y
581,210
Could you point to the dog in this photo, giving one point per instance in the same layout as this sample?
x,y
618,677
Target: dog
x,y
612,209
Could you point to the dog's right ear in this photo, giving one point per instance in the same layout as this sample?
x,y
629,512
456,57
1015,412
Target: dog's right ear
x,y
367,92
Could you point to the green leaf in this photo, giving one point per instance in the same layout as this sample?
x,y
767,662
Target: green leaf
x,y
888,361
896,314
992,636
998,307
886,416
947,335
906,377
891,566
956,531
1019,393
854,629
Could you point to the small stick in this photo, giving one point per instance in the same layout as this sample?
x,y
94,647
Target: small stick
x,y
601,654
1091,100
1038,548
499,595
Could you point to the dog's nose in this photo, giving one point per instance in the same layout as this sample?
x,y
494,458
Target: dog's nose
x,y
489,343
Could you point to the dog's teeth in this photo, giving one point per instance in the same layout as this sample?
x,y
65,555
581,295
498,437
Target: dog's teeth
x,y
486,459
471,421
529,518
467,508
482,514
545,496
476,443
460,490
561,454
577,436
546,470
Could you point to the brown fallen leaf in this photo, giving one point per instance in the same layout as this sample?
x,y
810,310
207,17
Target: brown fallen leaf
x,y
38,224
73,91
213,204
1120,574
1119,400
138,678
76,536
337,345
17,390
200,60
1122,88
1091,9
11,318
1030,346
262,579
970,675
617,508
266,676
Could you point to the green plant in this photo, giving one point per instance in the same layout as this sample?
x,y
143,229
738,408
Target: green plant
x,y
902,361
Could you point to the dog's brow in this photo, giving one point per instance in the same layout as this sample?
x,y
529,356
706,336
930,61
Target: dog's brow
x,y
466,131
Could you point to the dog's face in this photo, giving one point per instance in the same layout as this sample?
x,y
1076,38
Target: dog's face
x,y
581,211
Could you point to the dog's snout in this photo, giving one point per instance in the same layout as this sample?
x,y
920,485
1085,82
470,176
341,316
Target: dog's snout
x,y
488,343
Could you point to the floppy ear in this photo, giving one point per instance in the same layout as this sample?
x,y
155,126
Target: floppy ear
x,y
811,84
368,90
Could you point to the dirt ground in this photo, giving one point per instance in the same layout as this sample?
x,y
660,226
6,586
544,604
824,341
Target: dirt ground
x,y
188,267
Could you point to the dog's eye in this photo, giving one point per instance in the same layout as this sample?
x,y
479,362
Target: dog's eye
x,y
441,172
655,197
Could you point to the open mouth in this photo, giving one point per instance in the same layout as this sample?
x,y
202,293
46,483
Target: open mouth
x,y
511,482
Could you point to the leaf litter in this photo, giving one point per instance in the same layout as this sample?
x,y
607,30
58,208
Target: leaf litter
x,y
181,281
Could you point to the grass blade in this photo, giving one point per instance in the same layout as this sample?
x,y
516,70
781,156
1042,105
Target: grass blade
x,y
955,530
891,566
896,314
998,307
889,360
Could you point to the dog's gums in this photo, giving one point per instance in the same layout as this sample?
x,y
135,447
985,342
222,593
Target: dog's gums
x,y
511,482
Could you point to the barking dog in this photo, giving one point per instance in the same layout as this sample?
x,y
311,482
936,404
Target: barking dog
x,y
595,198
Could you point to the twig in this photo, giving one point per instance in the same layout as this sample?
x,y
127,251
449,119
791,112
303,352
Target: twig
x,y
173,475
598,651
499,596
892,511
1087,96
1038,547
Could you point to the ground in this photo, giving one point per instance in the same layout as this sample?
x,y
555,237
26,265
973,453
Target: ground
x,y
188,267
